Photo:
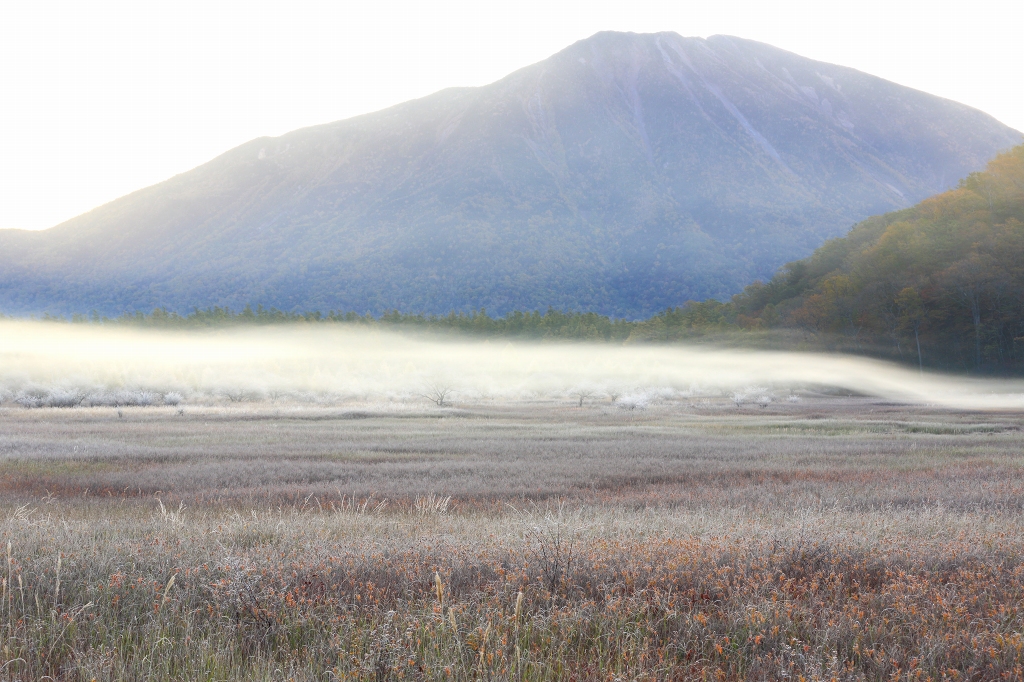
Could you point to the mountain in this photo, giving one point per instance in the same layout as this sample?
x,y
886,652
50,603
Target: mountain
x,y
625,174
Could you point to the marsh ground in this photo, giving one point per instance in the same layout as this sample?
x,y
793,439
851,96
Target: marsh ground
x,y
830,538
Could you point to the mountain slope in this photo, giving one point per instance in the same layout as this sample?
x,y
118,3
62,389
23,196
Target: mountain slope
x,y
624,174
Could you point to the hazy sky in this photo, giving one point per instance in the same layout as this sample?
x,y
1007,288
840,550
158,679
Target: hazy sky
x,y
100,98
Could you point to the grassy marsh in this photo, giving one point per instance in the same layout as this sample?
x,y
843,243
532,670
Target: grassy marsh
x,y
831,538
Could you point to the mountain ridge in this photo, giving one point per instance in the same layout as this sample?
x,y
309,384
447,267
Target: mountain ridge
x,y
624,174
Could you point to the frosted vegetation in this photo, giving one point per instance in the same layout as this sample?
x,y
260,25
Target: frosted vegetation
x,y
319,503
828,538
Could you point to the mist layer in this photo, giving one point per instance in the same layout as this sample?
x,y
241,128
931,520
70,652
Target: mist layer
x,y
357,364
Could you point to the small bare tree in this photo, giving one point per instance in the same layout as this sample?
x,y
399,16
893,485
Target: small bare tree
x,y
582,394
236,395
439,394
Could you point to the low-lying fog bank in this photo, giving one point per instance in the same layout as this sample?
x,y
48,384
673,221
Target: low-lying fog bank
x,y
60,365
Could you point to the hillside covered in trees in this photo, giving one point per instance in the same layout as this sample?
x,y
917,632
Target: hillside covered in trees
x,y
940,284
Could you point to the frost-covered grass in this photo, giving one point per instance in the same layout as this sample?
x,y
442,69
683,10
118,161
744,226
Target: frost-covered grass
x,y
830,538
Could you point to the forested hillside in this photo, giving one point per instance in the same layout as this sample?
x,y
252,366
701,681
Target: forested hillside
x,y
940,284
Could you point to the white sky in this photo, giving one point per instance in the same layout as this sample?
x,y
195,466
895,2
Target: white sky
x,y
100,98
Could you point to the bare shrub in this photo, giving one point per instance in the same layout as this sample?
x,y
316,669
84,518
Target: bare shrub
x,y
31,397
122,398
173,398
139,398
758,395
64,398
581,394
634,402
554,538
439,394
100,399
241,395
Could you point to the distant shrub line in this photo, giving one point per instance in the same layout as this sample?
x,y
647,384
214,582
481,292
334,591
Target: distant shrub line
x,y
691,320
723,323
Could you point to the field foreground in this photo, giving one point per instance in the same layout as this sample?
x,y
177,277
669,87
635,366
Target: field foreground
x,y
831,538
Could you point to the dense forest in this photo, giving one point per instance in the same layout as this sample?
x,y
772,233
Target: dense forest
x,y
938,285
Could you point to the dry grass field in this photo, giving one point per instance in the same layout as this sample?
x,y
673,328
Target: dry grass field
x,y
829,538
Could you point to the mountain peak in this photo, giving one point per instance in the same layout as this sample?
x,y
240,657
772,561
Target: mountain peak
x,y
624,174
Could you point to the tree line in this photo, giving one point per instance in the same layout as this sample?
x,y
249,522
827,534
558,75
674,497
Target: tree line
x,y
940,284
551,324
